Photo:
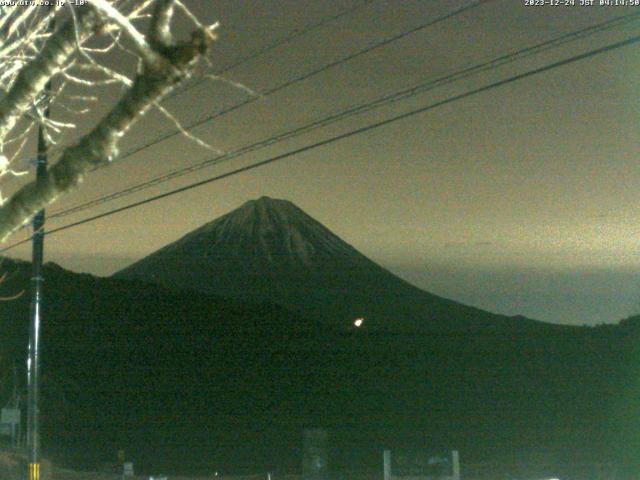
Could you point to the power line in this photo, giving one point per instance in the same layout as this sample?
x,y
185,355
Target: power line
x,y
298,79
352,133
275,44
258,53
301,78
306,76
358,109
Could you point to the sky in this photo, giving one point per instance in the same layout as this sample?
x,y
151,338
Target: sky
x,y
518,200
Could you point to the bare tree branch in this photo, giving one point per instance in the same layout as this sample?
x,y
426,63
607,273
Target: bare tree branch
x,y
160,30
143,49
161,72
32,79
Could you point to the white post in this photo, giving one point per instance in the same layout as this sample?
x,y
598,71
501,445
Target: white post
x,y
455,463
386,456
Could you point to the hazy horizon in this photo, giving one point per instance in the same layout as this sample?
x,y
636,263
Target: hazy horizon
x,y
576,295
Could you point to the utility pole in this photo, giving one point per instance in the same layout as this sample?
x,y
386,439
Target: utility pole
x,y
37,280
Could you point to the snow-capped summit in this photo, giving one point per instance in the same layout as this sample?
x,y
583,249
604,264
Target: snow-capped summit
x,y
273,229
270,250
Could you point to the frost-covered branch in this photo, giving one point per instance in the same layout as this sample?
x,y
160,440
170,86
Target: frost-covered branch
x,y
143,49
33,77
163,68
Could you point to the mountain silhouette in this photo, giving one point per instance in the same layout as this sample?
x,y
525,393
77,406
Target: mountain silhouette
x,y
194,384
271,250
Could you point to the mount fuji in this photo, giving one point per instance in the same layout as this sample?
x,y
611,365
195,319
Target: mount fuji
x,y
270,250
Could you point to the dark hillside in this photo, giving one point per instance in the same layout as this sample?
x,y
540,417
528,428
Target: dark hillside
x,y
190,383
